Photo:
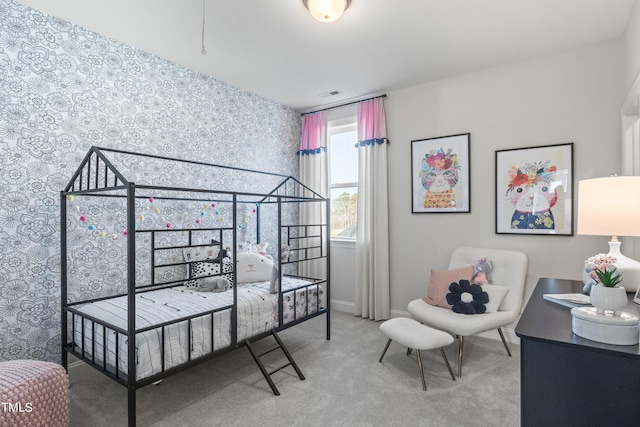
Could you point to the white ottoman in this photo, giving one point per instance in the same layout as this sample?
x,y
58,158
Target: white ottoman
x,y
414,335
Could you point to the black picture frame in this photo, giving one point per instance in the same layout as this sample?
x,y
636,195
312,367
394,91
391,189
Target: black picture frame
x,y
534,190
440,171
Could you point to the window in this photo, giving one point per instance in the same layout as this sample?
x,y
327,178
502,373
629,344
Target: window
x,y
343,177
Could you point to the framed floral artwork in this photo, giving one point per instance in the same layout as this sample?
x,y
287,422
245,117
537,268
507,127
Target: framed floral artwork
x,y
440,174
534,190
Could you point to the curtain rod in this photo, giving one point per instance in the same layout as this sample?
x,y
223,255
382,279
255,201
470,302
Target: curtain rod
x,y
343,105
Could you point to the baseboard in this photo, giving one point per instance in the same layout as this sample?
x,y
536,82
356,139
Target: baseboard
x,y
77,367
349,307
343,306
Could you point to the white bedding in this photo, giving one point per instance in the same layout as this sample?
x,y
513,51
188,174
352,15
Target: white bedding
x,y
257,313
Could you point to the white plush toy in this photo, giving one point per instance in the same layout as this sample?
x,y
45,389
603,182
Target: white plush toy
x,y
253,267
260,248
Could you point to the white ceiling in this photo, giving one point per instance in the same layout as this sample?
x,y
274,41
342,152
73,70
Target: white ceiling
x,y
275,49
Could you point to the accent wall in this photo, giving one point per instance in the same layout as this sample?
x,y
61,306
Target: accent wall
x,y
63,89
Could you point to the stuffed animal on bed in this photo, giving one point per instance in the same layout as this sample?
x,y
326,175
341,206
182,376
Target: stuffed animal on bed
x,y
260,248
214,284
482,271
286,250
253,267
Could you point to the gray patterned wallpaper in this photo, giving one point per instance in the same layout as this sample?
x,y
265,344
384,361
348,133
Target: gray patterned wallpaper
x,y
63,89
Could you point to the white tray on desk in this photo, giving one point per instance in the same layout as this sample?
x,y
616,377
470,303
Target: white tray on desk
x,y
606,328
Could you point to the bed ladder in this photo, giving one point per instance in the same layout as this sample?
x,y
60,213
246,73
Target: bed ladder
x,y
267,374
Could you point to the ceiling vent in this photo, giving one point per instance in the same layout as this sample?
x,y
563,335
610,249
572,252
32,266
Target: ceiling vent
x,y
329,93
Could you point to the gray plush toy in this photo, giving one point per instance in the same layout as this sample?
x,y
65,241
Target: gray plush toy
x,y
214,284
482,271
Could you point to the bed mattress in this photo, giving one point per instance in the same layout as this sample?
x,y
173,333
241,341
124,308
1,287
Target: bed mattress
x,y
257,312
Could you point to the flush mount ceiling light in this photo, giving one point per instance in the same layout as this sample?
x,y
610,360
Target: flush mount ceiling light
x,y
326,10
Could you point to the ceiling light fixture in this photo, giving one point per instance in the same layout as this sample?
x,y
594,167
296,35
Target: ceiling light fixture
x,y
326,10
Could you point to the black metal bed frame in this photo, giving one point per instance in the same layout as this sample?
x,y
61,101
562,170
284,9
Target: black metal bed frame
x,y
97,176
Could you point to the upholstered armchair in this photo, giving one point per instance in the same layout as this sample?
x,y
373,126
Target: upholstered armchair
x,y
509,271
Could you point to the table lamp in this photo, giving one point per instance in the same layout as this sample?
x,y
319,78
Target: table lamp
x,y
611,207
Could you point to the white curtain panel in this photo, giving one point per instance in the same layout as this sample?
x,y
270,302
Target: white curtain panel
x,y
314,174
372,240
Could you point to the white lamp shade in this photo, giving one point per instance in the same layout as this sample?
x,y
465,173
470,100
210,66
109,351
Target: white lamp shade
x,y
326,10
609,206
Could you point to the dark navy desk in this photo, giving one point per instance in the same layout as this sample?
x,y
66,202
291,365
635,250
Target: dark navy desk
x,y
567,380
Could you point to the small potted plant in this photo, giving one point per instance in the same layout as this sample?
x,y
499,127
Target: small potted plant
x,y
606,293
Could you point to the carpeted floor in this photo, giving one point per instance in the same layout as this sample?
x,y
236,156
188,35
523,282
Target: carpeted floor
x,y
345,385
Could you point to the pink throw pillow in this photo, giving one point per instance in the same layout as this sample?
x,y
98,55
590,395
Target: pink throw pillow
x,y
439,284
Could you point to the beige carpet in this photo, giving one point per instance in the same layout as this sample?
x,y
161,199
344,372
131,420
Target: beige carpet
x,y
345,385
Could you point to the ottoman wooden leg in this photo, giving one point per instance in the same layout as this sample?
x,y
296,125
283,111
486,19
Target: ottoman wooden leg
x,y
446,361
385,350
424,384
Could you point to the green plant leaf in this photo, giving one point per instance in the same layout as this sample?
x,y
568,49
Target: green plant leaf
x,y
608,278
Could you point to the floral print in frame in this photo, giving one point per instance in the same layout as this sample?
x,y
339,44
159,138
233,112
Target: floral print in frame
x,y
440,174
534,188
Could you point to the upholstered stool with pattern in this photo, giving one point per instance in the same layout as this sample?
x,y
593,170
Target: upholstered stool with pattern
x,y
33,393
416,336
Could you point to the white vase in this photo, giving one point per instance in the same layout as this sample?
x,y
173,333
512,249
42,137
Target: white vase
x,y
613,299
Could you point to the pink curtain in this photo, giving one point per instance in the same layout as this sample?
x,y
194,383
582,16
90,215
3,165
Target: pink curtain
x,y
372,127
314,128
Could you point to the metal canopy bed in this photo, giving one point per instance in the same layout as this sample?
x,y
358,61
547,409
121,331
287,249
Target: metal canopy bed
x,y
156,278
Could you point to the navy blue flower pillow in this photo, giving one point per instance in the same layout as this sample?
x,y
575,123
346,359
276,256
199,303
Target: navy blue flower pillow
x,y
466,298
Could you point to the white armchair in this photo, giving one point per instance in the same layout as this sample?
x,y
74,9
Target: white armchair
x,y
509,269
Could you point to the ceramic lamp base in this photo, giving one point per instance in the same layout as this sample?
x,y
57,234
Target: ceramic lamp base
x,y
605,328
629,268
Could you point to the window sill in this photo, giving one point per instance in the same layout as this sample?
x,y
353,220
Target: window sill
x,y
343,243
